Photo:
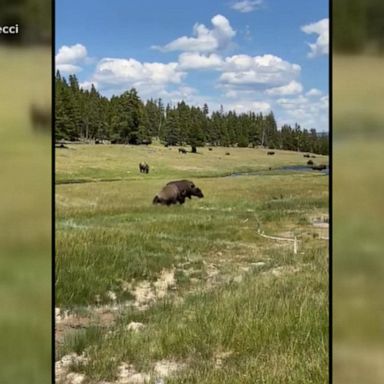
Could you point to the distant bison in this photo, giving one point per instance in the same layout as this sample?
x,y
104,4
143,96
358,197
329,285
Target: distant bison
x,y
41,117
209,149
187,188
309,162
227,153
170,194
143,168
61,146
270,153
182,150
307,155
319,167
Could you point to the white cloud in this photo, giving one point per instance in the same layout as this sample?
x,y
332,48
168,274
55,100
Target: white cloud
x,y
130,72
306,111
86,85
68,58
205,40
68,68
194,60
246,106
265,71
72,54
314,92
245,6
291,88
321,46
292,103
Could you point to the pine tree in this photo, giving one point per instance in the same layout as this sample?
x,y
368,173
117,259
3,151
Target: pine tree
x,y
171,136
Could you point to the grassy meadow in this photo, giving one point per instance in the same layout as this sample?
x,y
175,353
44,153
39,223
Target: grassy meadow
x,y
25,220
214,298
357,219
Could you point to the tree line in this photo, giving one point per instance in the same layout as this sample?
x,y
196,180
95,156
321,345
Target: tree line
x,y
126,119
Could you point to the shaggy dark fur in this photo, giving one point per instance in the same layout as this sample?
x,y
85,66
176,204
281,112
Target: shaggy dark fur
x,y
319,167
170,194
144,167
182,150
270,153
187,188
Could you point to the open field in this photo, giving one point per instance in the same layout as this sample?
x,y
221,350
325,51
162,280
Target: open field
x,y
216,300
357,219
25,220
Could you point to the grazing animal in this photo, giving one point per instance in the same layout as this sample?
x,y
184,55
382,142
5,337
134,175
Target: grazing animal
x,y
182,150
144,168
309,162
319,167
61,146
307,155
41,118
170,194
209,149
227,153
270,153
187,188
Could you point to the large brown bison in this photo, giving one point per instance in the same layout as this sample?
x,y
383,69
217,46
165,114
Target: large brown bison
x,y
187,188
270,153
170,194
183,151
320,167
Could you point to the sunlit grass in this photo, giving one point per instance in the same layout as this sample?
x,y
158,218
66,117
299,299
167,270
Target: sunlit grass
x,y
109,234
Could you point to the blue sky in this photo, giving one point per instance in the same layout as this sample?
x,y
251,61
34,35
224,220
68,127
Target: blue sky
x,y
247,55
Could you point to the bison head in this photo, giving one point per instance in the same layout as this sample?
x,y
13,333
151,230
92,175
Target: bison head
x,y
197,192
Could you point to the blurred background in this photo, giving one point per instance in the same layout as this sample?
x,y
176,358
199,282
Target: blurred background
x,y
358,190
25,193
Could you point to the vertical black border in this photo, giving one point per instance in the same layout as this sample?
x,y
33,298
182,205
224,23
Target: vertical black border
x,y
53,164
330,208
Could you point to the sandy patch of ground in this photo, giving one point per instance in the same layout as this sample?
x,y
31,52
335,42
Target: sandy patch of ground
x,y
62,369
146,293
161,370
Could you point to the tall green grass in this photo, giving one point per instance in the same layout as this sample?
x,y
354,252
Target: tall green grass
x,y
272,326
